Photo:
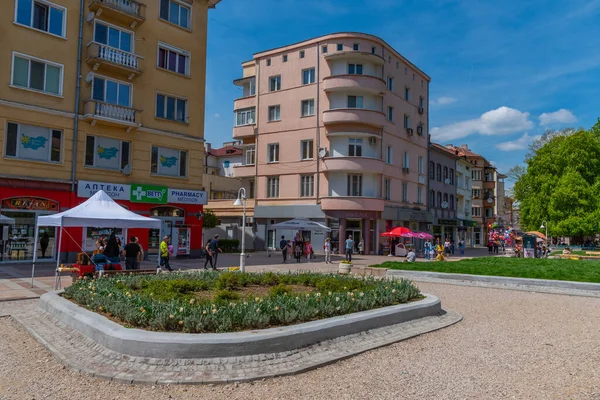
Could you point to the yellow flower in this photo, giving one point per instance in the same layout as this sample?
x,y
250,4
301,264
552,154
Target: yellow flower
x,y
171,316
214,311
258,310
180,322
329,293
204,312
337,308
181,309
362,294
318,294
143,311
297,298
256,298
393,290
276,308
307,294
353,299
345,288
141,308
192,301
100,308
110,295
337,299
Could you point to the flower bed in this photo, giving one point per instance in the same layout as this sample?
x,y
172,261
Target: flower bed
x,y
225,302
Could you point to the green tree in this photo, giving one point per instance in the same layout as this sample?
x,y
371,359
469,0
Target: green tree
x,y
209,220
560,183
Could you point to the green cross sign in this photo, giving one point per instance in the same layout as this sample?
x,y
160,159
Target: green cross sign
x,y
148,194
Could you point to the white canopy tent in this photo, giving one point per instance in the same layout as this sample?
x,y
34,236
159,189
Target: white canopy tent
x,y
301,225
99,211
4,220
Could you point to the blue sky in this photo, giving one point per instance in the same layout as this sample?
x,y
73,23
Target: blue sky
x,y
502,71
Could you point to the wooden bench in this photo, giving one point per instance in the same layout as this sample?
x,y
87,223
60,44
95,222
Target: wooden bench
x,y
592,253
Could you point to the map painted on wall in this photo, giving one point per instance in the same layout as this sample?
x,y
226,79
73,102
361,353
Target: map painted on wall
x,y
33,143
168,162
107,152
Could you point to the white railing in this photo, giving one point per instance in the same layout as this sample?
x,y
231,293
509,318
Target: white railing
x,y
128,6
114,111
117,56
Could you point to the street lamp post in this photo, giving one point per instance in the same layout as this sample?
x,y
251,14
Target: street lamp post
x,y
545,225
241,201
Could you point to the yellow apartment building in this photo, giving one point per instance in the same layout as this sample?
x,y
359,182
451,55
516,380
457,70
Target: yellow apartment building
x,y
102,94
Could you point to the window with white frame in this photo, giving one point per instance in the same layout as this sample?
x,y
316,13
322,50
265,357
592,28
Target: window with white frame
x,y
28,142
451,176
476,175
356,47
173,59
41,15
111,91
308,76
249,155
273,186
420,194
373,50
274,113
445,173
168,162
355,69
245,116
354,185
404,192
476,193
340,47
308,107
301,53
489,213
323,49
306,150
387,189
421,102
273,152
268,62
284,58
438,170
355,102
431,170
176,12
307,184
406,121
407,93
171,108
476,211
275,83
406,160
388,155
354,147
390,113
113,36
107,153
421,165
33,73
390,83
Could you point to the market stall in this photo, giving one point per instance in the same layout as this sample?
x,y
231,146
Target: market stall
x,y
100,211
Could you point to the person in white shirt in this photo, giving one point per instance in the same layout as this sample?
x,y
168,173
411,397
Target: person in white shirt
x,y
411,256
327,248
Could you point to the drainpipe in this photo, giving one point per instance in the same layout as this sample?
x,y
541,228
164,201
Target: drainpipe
x,y
317,128
77,96
428,156
257,118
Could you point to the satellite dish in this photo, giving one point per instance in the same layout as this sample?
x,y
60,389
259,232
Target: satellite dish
x,y
90,17
444,204
126,170
89,77
250,120
447,181
490,200
322,152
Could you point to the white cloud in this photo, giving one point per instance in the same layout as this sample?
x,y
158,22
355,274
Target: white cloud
x,y
501,121
519,144
444,100
559,117
217,115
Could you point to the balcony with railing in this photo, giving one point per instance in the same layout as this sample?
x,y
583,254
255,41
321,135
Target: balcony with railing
x,y
113,60
129,12
354,116
112,115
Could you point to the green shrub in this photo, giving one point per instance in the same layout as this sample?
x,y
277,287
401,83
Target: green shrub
x,y
226,295
280,290
229,245
269,279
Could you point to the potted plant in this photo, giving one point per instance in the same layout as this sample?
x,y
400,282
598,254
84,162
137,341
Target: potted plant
x,y
345,267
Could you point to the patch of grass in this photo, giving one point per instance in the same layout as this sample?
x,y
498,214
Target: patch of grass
x,y
535,268
577,252
226,302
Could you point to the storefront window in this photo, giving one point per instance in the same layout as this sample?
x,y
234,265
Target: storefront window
x,y
167,212
93,234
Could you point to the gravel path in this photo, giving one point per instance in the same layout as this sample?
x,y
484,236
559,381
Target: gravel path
x,y
510,344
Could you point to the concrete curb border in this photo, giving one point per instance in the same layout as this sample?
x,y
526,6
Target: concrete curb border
x,y
141,343
501,280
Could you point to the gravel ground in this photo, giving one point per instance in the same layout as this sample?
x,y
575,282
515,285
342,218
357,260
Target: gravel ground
x,y
510,344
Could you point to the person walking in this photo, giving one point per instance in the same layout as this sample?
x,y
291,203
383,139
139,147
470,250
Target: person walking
x,y
361,246
131,252
164,254
214,247
209,256
140,256
298,246
427,249
44,241
447,247
327,248
283,245
111,249
349,248
461,247
308,251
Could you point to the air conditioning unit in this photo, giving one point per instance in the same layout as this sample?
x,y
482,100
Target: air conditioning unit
x,y
420,130
409,131
373,140
421,110
406,170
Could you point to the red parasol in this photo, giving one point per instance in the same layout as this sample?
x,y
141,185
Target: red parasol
x,y
397,231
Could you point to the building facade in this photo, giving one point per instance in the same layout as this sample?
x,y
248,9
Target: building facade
x,y
442,198
334,129
109,96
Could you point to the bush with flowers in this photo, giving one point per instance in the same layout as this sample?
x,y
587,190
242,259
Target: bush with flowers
x,y
226,302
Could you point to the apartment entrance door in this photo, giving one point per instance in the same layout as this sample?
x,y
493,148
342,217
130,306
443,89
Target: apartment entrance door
x,y
354,229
